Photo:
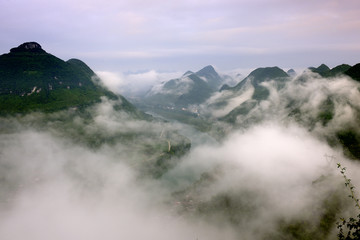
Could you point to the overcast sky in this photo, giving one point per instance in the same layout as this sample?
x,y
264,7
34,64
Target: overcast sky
x,y
118,35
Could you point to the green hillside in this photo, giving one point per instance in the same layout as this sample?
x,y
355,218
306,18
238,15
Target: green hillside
x,y
32,79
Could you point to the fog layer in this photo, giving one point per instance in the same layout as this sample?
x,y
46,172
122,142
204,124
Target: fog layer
x,y
66,176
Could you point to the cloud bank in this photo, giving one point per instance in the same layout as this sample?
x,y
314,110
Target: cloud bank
x,y
134,84
252,184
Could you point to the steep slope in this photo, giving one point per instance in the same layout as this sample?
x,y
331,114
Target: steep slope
x,y
32,79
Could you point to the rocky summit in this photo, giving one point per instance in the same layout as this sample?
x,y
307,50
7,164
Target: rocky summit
x,y
32,47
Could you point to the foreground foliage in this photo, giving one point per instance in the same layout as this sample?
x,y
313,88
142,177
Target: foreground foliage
x,y
349,228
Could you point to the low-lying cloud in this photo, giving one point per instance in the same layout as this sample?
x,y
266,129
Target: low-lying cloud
x,y
251,185
134,84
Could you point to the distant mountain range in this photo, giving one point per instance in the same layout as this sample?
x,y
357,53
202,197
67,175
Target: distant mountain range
x,y
199,87
191,88
32,79
325,71
203,100
343,69
231,105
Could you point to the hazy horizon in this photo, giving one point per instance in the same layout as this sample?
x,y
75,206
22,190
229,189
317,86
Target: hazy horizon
x,y
168,36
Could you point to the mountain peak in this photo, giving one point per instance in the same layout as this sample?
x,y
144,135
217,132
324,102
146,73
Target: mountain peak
x,y
321,69
212,77
33,47
207,69
291,72
261,74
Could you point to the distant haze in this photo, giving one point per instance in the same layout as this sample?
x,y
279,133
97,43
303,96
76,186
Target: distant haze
x,y
181,35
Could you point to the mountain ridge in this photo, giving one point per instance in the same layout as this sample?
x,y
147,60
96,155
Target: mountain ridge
x,y
324,71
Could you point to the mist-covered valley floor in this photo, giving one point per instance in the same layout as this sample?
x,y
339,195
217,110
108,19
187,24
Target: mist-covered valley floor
x,y
98,173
